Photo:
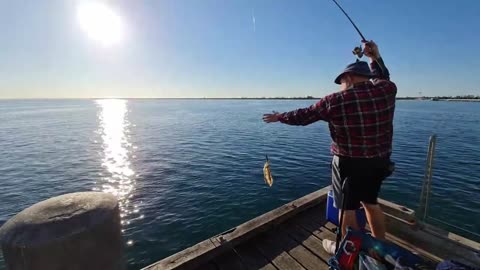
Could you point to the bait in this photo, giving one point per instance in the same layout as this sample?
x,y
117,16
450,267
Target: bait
x,y
267,174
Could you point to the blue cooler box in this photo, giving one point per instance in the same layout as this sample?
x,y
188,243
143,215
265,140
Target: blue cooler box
x,y
332,213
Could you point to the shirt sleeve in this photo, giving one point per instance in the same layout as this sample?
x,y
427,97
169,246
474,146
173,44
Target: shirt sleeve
x,y
379,69
306,116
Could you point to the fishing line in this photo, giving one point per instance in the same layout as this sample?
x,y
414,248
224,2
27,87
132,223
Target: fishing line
x,y
267,174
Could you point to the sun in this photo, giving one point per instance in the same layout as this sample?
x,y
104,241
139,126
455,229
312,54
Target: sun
x,y
100,22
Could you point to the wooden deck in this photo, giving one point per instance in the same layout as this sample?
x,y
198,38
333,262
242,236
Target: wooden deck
x,y
295,244
290,237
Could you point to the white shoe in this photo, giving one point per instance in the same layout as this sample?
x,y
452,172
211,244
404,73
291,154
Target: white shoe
x,y
329,246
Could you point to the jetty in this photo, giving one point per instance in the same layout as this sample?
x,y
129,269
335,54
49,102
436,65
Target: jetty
x,y
290,237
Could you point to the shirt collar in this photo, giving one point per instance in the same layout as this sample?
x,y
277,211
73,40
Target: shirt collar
x,y
364,84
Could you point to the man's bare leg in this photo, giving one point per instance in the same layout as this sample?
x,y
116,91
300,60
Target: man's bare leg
x,y
349,219
376,220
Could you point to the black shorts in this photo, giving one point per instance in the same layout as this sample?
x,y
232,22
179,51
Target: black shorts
x,y
365,177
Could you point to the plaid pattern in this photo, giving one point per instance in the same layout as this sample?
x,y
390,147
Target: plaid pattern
x,y
360,119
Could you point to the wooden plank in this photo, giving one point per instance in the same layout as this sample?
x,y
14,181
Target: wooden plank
x,y
267,221
439,245
426,250
190,258
308,240
301,254
320,232
330,226
399,211
229,261
451,236
315,226
252,258
314,216
329,229
317,212
309,212
389,208
275,254
208,266
203,252
326,232
409,246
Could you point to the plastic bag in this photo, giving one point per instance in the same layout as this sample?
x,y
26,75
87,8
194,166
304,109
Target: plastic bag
x,y
368,263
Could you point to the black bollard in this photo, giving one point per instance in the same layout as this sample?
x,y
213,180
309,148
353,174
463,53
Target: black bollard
x,y
73,231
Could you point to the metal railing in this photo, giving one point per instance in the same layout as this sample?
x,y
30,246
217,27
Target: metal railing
x,y
427,182
422,213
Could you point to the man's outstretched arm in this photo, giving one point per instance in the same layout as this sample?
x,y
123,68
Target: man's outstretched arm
x,y
300,117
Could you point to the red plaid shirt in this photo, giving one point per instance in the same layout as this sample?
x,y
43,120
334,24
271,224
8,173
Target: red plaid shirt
x,y
360,119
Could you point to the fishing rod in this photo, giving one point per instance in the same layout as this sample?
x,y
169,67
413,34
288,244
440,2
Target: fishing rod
x,y
357,50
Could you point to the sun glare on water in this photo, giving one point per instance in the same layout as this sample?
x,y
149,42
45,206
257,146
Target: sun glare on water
x,y
117,177
100,22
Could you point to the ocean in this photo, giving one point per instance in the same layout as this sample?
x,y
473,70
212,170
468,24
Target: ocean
x,y
185,170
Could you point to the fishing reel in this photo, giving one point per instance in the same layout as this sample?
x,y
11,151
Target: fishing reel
x,y
358,52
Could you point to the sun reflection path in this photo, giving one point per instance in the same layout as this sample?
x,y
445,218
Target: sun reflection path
x,y
118,177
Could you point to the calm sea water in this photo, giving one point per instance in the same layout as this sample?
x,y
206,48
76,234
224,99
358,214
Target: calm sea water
x,y
185,170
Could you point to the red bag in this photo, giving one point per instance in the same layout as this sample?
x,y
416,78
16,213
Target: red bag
x,y
347,253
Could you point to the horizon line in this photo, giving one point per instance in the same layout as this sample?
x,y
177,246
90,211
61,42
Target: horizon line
x,y
220,98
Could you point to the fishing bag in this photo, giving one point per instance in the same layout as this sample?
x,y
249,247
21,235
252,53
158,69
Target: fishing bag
x,y
355,243
347,252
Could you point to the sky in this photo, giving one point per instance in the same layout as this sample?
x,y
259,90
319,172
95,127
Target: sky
x,y
233,48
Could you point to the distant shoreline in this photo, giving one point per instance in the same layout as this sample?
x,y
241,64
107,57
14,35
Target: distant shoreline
x,y
252,98
440,99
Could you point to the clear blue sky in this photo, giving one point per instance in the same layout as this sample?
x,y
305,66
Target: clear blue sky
x,y
208,48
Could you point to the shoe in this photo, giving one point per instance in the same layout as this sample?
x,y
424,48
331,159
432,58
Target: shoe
x,y
329,246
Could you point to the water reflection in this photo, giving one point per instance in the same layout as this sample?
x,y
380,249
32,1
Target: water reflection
x,y
118,177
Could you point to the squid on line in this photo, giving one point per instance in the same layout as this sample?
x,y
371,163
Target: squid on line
x,y
267,174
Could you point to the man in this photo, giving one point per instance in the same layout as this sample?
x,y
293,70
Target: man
x,y
360,119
